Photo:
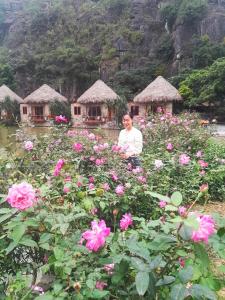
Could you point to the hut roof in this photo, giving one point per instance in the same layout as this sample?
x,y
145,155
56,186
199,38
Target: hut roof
x,y
44,94
158,90
99,92
6,92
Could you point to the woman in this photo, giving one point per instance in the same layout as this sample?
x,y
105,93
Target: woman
x,y
131,141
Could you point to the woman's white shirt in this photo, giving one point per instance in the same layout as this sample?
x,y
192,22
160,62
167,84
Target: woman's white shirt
x,y
131,141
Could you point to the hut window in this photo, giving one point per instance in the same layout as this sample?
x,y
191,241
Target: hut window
x,y
38,110
94,111
134,110
25,110
77,110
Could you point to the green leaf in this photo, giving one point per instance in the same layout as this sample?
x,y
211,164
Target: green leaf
x,y
165,280
64,227
90,284
5,211
5,217
170,208
18,232
45,297
211,283
192,222
158,196
45,237
11,246
44,246
202,292
178,292
98,294
185,232
176,198
138,264
142,282
26,241
157,262
186,274
202,255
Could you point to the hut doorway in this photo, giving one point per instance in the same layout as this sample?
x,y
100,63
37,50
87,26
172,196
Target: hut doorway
x,y
94,112
38,113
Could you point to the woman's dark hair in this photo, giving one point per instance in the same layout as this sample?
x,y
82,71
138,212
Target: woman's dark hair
x,y
129,114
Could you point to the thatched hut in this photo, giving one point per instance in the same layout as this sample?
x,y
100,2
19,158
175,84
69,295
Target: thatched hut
x,y
159,94
5,93
95,106
36,106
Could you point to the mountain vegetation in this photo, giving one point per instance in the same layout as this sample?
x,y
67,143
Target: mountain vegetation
x,y
71,43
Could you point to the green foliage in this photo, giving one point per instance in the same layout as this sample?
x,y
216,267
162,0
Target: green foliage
x,y
12,110
183,11
60,108
204,85
205,52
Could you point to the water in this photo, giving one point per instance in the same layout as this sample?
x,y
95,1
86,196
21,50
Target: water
x,y
9,135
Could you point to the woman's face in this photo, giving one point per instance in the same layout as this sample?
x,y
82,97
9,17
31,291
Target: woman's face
x,y
127,122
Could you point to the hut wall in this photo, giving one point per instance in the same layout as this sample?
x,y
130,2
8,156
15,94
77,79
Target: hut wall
x,y
169,107
78,112
25,112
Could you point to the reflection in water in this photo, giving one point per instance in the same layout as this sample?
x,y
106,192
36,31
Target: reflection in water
x,y
9,135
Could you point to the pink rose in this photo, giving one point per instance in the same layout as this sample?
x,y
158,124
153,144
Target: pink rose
x,y
120,190
106,186
28,145
21,196
109,268
100,285
182,211
202,163
96,236
204,187
199,154
205,230
126,221
169,147
184,159
58,167
78,147
61,119
162,204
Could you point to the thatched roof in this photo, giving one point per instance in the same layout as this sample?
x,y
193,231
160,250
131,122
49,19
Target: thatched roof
x,y
6,92
99,92
160,90
44,94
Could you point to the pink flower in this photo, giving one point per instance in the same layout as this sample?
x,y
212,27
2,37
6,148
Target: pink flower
x,y
79,183
119,190
21,196
71,133
78,147
202,172
199,154
181,262
142,179
126,221
204,187
162,204
100,285
158,164
106,186
91,186
202,163
91,179
61,119
38,289
68,178
94,211
184,159
66,189
58,167
114,176
99,162
205,230
169,147
109,268
116,148
96,148
137,170
96,236
92,158
182,211
91,136
28,145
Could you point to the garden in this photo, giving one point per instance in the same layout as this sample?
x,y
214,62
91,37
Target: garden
x,y
78,223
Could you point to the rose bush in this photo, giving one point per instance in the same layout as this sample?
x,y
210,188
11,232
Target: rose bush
x,y
78,223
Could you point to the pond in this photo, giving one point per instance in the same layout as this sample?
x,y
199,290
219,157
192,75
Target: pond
x,y
8,135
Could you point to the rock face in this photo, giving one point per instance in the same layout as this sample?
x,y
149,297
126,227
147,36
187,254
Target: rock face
x,y
141,38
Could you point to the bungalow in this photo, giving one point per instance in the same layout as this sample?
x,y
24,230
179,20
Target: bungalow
x,y
5,93
95,107
158,94
35,108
